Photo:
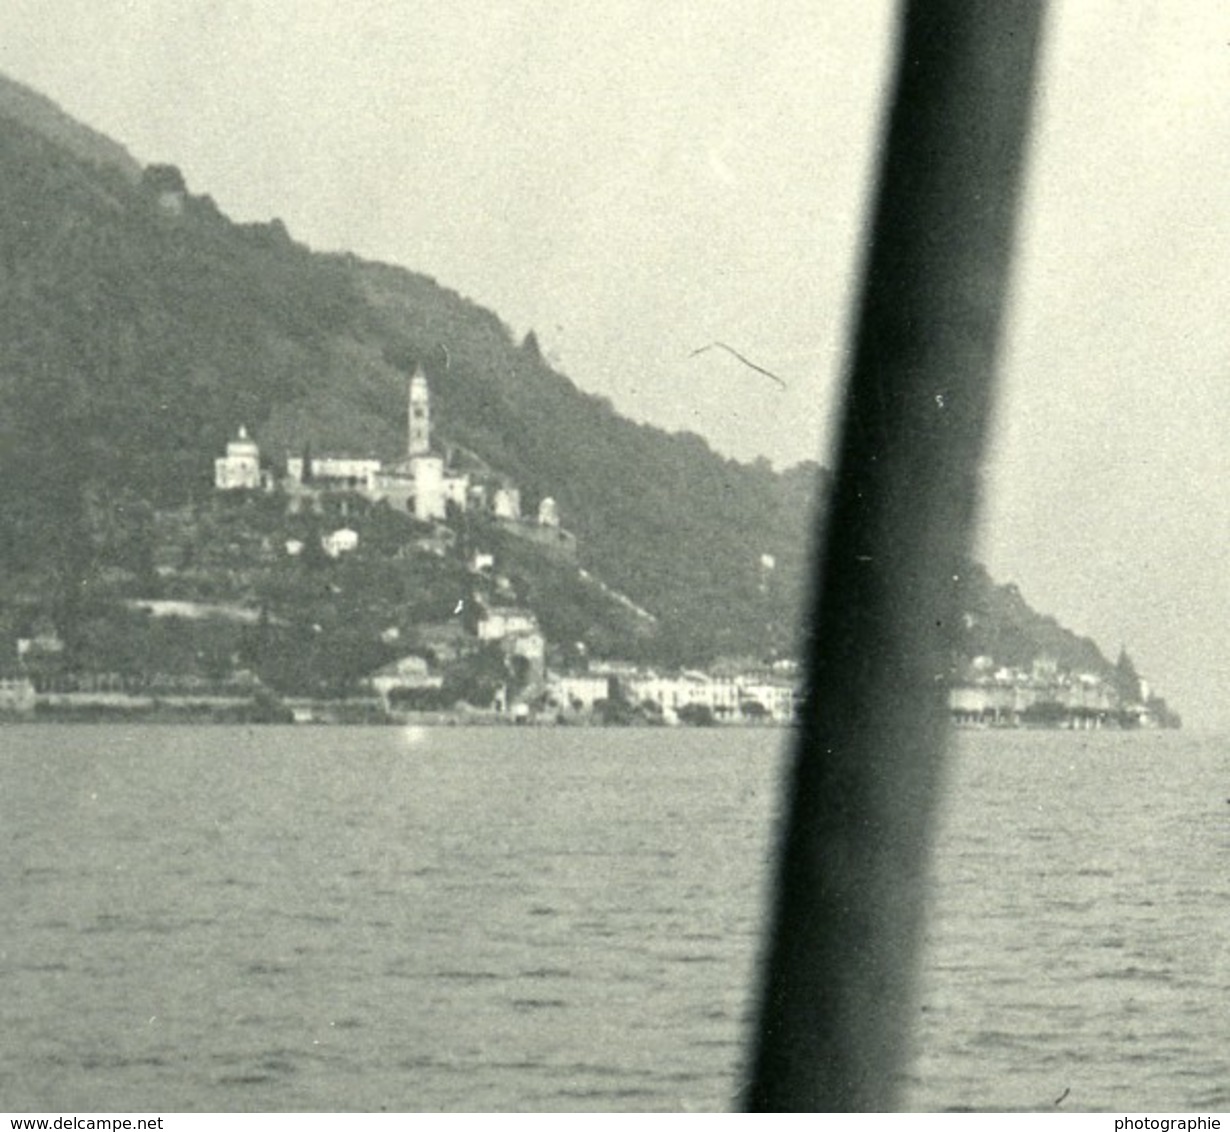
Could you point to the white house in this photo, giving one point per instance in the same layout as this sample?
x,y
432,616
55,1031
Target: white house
x,y
409,673
482,561
729,698
16,694
356,473
517,633
579,692
339,542
506,621
506,503
777,697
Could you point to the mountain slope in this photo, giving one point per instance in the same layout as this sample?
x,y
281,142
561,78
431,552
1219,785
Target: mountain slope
x,y
38,113
135,337
139,327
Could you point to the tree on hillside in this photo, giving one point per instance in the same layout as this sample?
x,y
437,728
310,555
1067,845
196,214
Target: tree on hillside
x,y
164,179
1127,680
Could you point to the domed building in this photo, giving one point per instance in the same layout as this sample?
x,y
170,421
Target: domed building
x,y
425,482
240,468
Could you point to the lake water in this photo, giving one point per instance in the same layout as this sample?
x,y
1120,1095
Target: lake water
x,y
364,919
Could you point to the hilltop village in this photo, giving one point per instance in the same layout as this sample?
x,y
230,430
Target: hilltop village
x,y
549,561
339,587
361,531
426,483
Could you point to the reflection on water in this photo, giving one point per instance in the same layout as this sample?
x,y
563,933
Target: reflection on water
x,y
351,919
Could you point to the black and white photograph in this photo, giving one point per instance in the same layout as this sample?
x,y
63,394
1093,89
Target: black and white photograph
x,y
614,558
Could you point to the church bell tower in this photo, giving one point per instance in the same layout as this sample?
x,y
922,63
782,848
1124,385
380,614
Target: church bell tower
x,y
420,416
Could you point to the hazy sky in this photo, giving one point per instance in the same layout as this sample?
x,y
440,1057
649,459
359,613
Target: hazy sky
x,y
637,179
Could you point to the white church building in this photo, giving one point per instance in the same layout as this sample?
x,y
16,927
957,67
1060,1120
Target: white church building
x,y
240,468
421,482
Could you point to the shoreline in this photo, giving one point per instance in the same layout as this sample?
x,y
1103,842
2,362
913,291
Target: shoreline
x,y
87,709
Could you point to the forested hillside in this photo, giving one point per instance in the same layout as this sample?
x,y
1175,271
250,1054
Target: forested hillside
x,y
139,327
